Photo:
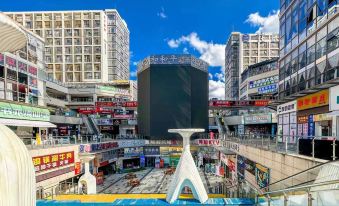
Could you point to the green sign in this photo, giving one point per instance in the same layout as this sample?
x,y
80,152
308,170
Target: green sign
x,y
15,111
107,88
174,160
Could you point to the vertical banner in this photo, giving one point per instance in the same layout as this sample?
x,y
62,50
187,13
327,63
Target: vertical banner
x,y
77,168
262,175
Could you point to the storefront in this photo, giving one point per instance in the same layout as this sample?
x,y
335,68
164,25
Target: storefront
x,y
312,115
287,121
171,155
334,108
260,124
26,121
151,154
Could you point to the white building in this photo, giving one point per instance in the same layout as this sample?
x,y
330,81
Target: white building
x,y
243,50
81,46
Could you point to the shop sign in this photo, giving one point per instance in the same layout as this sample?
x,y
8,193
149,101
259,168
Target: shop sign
x,y
321,117
238,103
142,160
132,151
113,89
151,150
231,165
208,142
313,100
22,67
117,104
86,110
15,111
104,121
231,146
287,107
131,143
130,104
273,88
117,122
52,161
10,63
262,175
123,116
258,119
123,82
334,98
77,168
85,148
32,70
106,128
302,119
264,82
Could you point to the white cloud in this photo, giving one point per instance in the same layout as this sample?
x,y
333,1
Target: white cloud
x,y
216,89
135,63
162,14
185,50
266,24
214,54
220,77
133,73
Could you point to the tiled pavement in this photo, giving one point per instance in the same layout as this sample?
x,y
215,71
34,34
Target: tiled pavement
x,y
152,181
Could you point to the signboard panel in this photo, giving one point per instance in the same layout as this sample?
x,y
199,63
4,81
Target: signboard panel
x,y
313,100
258,119
15,111
52,161
334,98
287,107
262,175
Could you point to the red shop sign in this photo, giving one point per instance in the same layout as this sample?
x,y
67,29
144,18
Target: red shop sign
x,y
77,168
87,110
52,161
231,165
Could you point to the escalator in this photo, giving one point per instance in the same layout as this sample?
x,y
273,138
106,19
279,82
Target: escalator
x,y
91,125
222,128
94,126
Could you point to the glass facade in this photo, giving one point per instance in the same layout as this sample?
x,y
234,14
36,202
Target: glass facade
x,y
308,44
232,68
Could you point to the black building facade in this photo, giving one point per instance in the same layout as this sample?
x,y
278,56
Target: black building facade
x,y
172,93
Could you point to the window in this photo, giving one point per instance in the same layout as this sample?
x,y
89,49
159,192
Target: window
x,y
288,35
310,54
321,48
294,20
302,56
88,75
333,40
312,14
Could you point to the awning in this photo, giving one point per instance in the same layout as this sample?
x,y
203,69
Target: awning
x,y
26,123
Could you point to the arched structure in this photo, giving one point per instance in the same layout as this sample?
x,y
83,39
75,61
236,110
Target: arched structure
x,y
13,36
17,175
186,174
88,180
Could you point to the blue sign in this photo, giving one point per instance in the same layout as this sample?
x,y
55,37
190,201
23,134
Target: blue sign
x,y
268,89
142,161
311,126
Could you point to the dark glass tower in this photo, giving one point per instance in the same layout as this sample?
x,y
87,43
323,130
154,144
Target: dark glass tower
x,y
172,93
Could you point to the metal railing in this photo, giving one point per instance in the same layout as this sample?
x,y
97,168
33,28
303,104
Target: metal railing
x,y
303,145
317,194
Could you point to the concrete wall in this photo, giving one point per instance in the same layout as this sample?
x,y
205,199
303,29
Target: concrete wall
x,y
281,165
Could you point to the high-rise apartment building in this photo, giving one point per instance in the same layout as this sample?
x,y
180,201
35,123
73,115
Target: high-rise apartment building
x,y
81,46
243,50
309,44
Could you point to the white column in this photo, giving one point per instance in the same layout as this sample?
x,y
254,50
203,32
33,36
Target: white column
x,y
186,173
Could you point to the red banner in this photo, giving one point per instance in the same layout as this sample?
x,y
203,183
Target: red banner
x,y
77,168
245,103
52,161
87,110
231,165
117,104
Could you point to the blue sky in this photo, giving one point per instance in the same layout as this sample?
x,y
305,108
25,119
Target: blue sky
x,y
199,27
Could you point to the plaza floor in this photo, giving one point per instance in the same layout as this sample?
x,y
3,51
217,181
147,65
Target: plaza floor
x,y
152,181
